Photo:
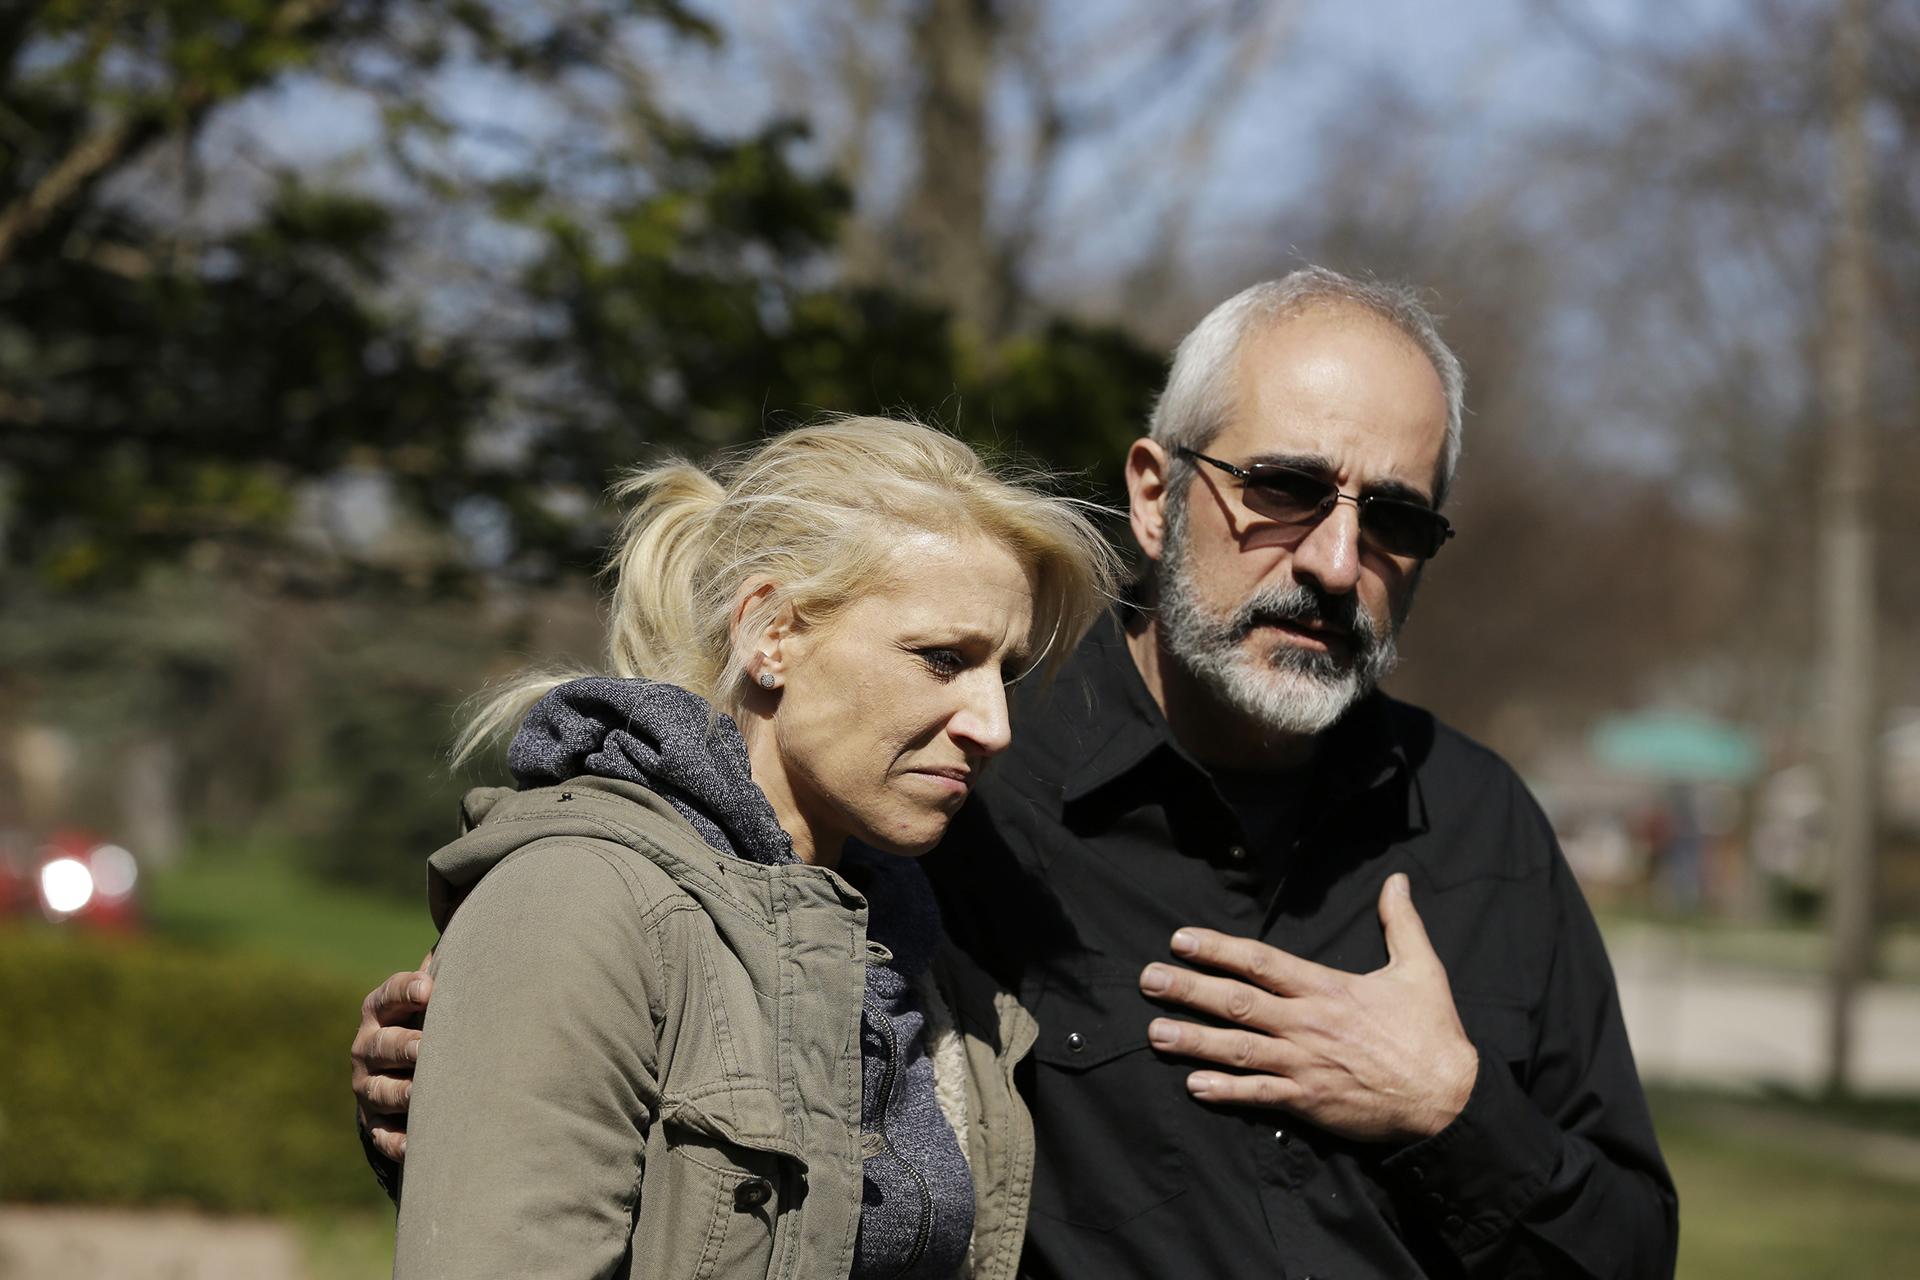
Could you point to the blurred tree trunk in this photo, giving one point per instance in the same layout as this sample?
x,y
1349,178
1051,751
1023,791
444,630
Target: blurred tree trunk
x,y
945,218
150,801
1846,597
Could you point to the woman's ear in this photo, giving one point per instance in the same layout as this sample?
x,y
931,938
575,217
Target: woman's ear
x,y
762,625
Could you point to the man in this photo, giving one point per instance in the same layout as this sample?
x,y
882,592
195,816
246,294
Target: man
x,y
1197,866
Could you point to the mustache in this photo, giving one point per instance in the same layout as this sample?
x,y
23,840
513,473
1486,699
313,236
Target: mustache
x,y
1301,606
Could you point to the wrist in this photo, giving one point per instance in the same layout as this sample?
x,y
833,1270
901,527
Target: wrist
x,y
1453,1087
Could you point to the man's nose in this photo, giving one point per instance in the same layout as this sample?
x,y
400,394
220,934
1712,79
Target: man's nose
x,y
1329,555
981,725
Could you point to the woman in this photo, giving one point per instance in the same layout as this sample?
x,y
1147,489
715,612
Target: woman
x,y
692,1016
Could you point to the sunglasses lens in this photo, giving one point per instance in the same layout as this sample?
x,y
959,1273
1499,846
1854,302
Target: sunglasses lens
x,y
1404,529
1286,495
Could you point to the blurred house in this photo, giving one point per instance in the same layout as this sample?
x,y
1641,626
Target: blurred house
x,y
1682,812
1651,807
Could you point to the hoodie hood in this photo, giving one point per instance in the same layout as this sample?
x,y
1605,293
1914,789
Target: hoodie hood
x,y
664,738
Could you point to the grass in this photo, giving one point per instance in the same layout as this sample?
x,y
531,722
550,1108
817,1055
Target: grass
x,y
262,903
1755,1205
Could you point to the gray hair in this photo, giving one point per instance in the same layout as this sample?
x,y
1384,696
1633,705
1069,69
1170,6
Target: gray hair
x,y
1199,395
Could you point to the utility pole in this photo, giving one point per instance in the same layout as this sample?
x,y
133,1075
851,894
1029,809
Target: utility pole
x,y
1846,596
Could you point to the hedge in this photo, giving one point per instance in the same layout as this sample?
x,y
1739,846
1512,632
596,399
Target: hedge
x,y
134,1071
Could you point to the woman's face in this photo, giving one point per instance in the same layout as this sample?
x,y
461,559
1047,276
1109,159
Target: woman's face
x,y
883,716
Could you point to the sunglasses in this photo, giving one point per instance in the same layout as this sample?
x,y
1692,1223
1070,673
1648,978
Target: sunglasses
x,y
1289,495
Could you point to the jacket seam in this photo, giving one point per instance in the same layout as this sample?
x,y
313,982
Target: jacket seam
x,y
639,841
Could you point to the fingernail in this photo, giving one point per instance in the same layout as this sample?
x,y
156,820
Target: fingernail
x,y
1156,978
1200,1084
417,990
406,1092
412,1051
1184,943
1162,1033
1398,884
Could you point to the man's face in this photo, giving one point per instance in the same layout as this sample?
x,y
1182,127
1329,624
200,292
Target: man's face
x,y
1293,624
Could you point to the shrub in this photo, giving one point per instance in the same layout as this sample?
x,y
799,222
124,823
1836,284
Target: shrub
x,y
138,1071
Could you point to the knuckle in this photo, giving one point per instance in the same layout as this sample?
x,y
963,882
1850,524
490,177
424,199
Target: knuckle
x,y
1239,1003
1259,964
1245,1049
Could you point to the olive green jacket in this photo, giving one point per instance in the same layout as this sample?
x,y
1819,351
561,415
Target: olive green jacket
x,y
642,1057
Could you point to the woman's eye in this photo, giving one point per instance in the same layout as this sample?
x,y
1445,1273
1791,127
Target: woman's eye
x,y
943,662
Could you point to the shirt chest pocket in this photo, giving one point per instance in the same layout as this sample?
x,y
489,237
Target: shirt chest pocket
x,y
1107,1108
1502,1032
721,1175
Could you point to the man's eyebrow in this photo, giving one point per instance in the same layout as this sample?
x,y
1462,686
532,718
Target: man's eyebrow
x,y
1320,465
1399,490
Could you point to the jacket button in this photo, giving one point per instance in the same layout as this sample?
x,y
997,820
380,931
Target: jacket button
x,y
1075,1042
1280,1136
1454,1223
751,1194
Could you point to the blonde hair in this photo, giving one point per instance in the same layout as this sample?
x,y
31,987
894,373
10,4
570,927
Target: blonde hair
x,y
816,512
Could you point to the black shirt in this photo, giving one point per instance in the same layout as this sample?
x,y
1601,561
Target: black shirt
x,y
1096,836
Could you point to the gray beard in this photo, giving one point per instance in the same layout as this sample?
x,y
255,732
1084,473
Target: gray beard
x,y
1292,690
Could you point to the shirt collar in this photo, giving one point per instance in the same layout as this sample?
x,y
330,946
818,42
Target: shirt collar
x,y
1125,734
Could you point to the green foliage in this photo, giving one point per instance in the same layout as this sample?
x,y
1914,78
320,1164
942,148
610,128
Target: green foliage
x,y
140,1072
258,900
185,387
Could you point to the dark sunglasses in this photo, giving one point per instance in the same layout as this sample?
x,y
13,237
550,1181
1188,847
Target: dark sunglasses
x,y
1292,496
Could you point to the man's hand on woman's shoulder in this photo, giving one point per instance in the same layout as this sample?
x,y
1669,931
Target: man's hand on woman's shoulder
x,y
384,1050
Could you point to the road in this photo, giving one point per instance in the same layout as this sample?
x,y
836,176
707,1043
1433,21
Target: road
x,y
1695,1022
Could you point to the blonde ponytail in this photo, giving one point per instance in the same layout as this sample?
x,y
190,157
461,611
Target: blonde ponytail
x,y
815,512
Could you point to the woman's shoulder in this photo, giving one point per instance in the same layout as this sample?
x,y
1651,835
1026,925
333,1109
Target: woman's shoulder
x,y
592,847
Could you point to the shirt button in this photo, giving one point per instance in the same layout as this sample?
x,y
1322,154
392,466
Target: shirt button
x,y
1238,853
751,1194
1075,1042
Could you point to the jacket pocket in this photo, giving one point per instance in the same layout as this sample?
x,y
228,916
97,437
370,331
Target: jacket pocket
x,y
718,1187
1106,1107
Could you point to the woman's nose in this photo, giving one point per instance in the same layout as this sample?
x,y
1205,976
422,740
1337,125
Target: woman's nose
x,y
981,723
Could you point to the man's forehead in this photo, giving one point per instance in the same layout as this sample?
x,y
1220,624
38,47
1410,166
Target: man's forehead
x,y
1338,383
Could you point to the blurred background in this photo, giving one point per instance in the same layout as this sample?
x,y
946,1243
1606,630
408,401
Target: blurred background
x,y
323,323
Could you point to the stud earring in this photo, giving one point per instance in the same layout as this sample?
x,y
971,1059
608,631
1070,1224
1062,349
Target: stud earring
x,y
766,680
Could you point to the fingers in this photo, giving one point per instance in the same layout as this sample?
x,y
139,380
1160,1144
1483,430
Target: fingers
x,y
1229,1046
1407,940
1250,1091
400,997
1225,998
385,1095
389,1142
388,1049
1269,967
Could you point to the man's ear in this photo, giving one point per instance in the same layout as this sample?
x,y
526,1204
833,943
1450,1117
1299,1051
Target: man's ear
x,y
761,629
1149,472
